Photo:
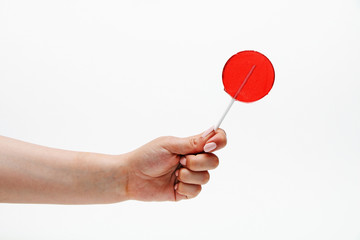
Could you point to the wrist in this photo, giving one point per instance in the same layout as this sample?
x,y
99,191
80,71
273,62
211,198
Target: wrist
x,y
120,172
105,178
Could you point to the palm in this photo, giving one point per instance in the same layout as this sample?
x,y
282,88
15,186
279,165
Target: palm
x,y
153,178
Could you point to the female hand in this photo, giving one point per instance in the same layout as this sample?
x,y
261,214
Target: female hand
x,y
172,168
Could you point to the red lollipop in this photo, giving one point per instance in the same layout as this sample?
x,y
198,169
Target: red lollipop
x,y
247,76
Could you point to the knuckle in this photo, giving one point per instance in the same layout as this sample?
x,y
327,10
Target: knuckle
x,y
198,190
194,142
215,162
222,131
223,139
206,177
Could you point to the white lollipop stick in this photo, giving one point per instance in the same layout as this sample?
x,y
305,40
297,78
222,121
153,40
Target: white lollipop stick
x,y
234,98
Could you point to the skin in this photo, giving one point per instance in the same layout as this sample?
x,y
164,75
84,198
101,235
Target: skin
x,y
165,169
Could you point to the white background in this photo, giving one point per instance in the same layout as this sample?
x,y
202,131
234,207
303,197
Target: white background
x,y
108,76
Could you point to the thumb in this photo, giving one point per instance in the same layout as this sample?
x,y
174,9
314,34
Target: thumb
x,y
189,145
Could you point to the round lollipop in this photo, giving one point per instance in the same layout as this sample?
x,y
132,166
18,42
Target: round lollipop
x,y
247,76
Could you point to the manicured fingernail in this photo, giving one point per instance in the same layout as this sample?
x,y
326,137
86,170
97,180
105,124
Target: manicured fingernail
x,y
207,132
183,161
177,173
209,147
176,186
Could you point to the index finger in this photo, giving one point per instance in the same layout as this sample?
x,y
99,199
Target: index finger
x,y
216,139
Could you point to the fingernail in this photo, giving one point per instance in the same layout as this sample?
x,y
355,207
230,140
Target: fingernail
x,y
207,132
209,147
183,161
177,173
176,186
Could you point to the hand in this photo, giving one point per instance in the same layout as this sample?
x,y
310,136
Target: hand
x,y
171,168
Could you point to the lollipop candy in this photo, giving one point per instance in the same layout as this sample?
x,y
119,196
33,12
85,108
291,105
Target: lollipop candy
x,y
247,76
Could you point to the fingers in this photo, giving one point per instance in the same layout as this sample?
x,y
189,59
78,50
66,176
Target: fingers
x,y
193,174
200,162
215,140
187,176
208,141
195,168
187,190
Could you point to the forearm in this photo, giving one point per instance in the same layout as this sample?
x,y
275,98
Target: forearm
x,y
35,174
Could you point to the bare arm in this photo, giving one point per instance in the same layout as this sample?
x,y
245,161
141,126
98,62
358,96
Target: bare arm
x,y
165,169
31,173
